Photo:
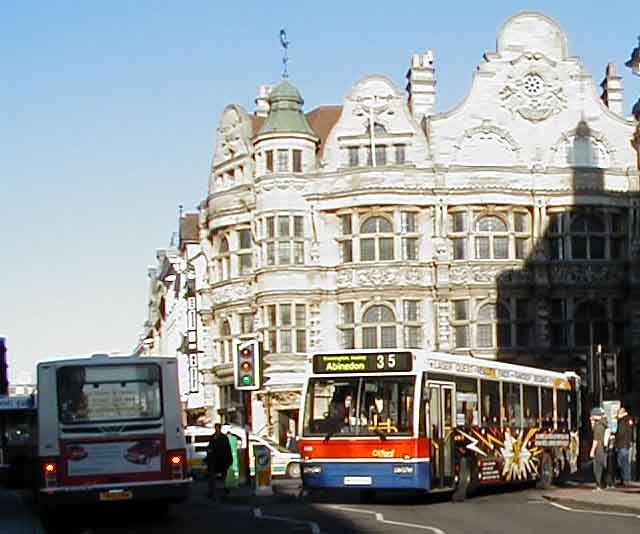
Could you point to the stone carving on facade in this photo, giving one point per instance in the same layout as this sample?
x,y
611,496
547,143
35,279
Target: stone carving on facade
x,y
378,276
233,137
533,90
282,400
315,326
489,274
542,323
583,147
441,249
229,293
486,132
279,184
444,325
586,275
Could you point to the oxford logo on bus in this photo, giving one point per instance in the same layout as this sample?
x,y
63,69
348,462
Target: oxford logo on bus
x,y
383,453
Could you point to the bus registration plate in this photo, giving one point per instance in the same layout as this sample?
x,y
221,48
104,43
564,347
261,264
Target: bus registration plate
x,y
116,495
357,481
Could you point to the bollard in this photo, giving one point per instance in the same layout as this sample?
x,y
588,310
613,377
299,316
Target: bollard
x,y
263,471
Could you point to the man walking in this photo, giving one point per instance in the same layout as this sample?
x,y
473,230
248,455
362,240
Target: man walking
x,y
600,439
219,459
623,444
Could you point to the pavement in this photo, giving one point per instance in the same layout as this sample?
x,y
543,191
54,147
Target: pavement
x,y
16,515
586,496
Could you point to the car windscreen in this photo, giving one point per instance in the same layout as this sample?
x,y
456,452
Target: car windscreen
x,y
103,393
359,406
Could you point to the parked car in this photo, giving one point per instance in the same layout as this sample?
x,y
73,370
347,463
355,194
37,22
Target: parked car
x,y
197,438
283,461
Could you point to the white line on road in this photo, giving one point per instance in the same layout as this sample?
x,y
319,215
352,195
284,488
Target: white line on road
x,y
597,512
315,529
379,517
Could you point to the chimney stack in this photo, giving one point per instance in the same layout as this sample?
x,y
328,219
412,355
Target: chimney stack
x,y
262,101
422,85
612,93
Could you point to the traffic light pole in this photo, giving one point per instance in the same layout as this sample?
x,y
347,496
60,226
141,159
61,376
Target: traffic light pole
x,y
247,428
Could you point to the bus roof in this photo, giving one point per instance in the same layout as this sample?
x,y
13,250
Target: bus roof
x,y
101,358
472,366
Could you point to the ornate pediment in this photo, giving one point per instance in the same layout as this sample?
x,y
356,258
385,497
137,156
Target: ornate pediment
x,y
233,136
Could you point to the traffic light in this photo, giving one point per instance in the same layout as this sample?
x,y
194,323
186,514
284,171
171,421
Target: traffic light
x,y
247,369
610,371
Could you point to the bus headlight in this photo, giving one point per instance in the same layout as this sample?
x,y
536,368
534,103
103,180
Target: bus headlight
x,y
403,470
312,469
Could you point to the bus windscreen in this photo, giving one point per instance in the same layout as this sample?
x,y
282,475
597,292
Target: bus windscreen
x,y
359,406
109,393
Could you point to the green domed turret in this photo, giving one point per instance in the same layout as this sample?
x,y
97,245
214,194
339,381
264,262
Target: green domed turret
x,y
285,114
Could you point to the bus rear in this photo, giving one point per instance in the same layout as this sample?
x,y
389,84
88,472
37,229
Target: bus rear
x,y
359,423
109,429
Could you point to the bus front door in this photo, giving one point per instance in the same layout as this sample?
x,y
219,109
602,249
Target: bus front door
x,y
440,419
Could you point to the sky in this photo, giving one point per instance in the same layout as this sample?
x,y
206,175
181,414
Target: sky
x,y
108,113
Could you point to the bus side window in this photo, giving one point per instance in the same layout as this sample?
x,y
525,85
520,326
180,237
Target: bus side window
x,y
511,409
562,398
490,391
466,401
547,407
531,408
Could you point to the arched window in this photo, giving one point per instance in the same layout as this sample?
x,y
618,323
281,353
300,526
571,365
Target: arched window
x,y
492,241
225,344
378,129
379,329
224,260
493,326
588,238
380,245
592,325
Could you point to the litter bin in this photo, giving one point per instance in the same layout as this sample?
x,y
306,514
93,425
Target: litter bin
x,y
262,457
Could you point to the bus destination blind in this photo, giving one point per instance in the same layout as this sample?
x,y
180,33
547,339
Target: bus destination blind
x,y
362,363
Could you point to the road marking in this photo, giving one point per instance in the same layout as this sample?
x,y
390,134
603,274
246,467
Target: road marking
x,y
379,517
315,529
596,512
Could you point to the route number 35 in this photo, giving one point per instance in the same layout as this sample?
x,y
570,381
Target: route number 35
x,y
386,361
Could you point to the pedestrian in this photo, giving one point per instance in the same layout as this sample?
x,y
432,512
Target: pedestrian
x,y
219,459
598,445
624,435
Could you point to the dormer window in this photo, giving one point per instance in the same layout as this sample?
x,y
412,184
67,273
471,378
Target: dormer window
x,y
400,154
354,156
378,129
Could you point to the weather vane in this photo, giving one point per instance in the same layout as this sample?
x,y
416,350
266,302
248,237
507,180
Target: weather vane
x,y
634,60
285,57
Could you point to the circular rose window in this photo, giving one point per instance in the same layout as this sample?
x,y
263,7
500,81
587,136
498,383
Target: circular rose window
x,y
533,84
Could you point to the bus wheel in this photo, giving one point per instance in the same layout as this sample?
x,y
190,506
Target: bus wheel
x,y
546,472
464,479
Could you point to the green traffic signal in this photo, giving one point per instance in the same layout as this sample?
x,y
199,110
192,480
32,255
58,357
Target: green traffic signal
x,y
246,380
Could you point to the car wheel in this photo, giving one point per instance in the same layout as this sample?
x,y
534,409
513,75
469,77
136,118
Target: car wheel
x,y
293,470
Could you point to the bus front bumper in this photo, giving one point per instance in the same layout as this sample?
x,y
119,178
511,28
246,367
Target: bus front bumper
x,y
157,490
366,475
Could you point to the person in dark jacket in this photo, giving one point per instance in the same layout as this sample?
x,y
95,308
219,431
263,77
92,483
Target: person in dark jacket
x,y
624,435
598,445
219,458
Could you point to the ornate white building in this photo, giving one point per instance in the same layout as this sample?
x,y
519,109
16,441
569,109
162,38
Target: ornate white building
x,y
503,228
173,326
